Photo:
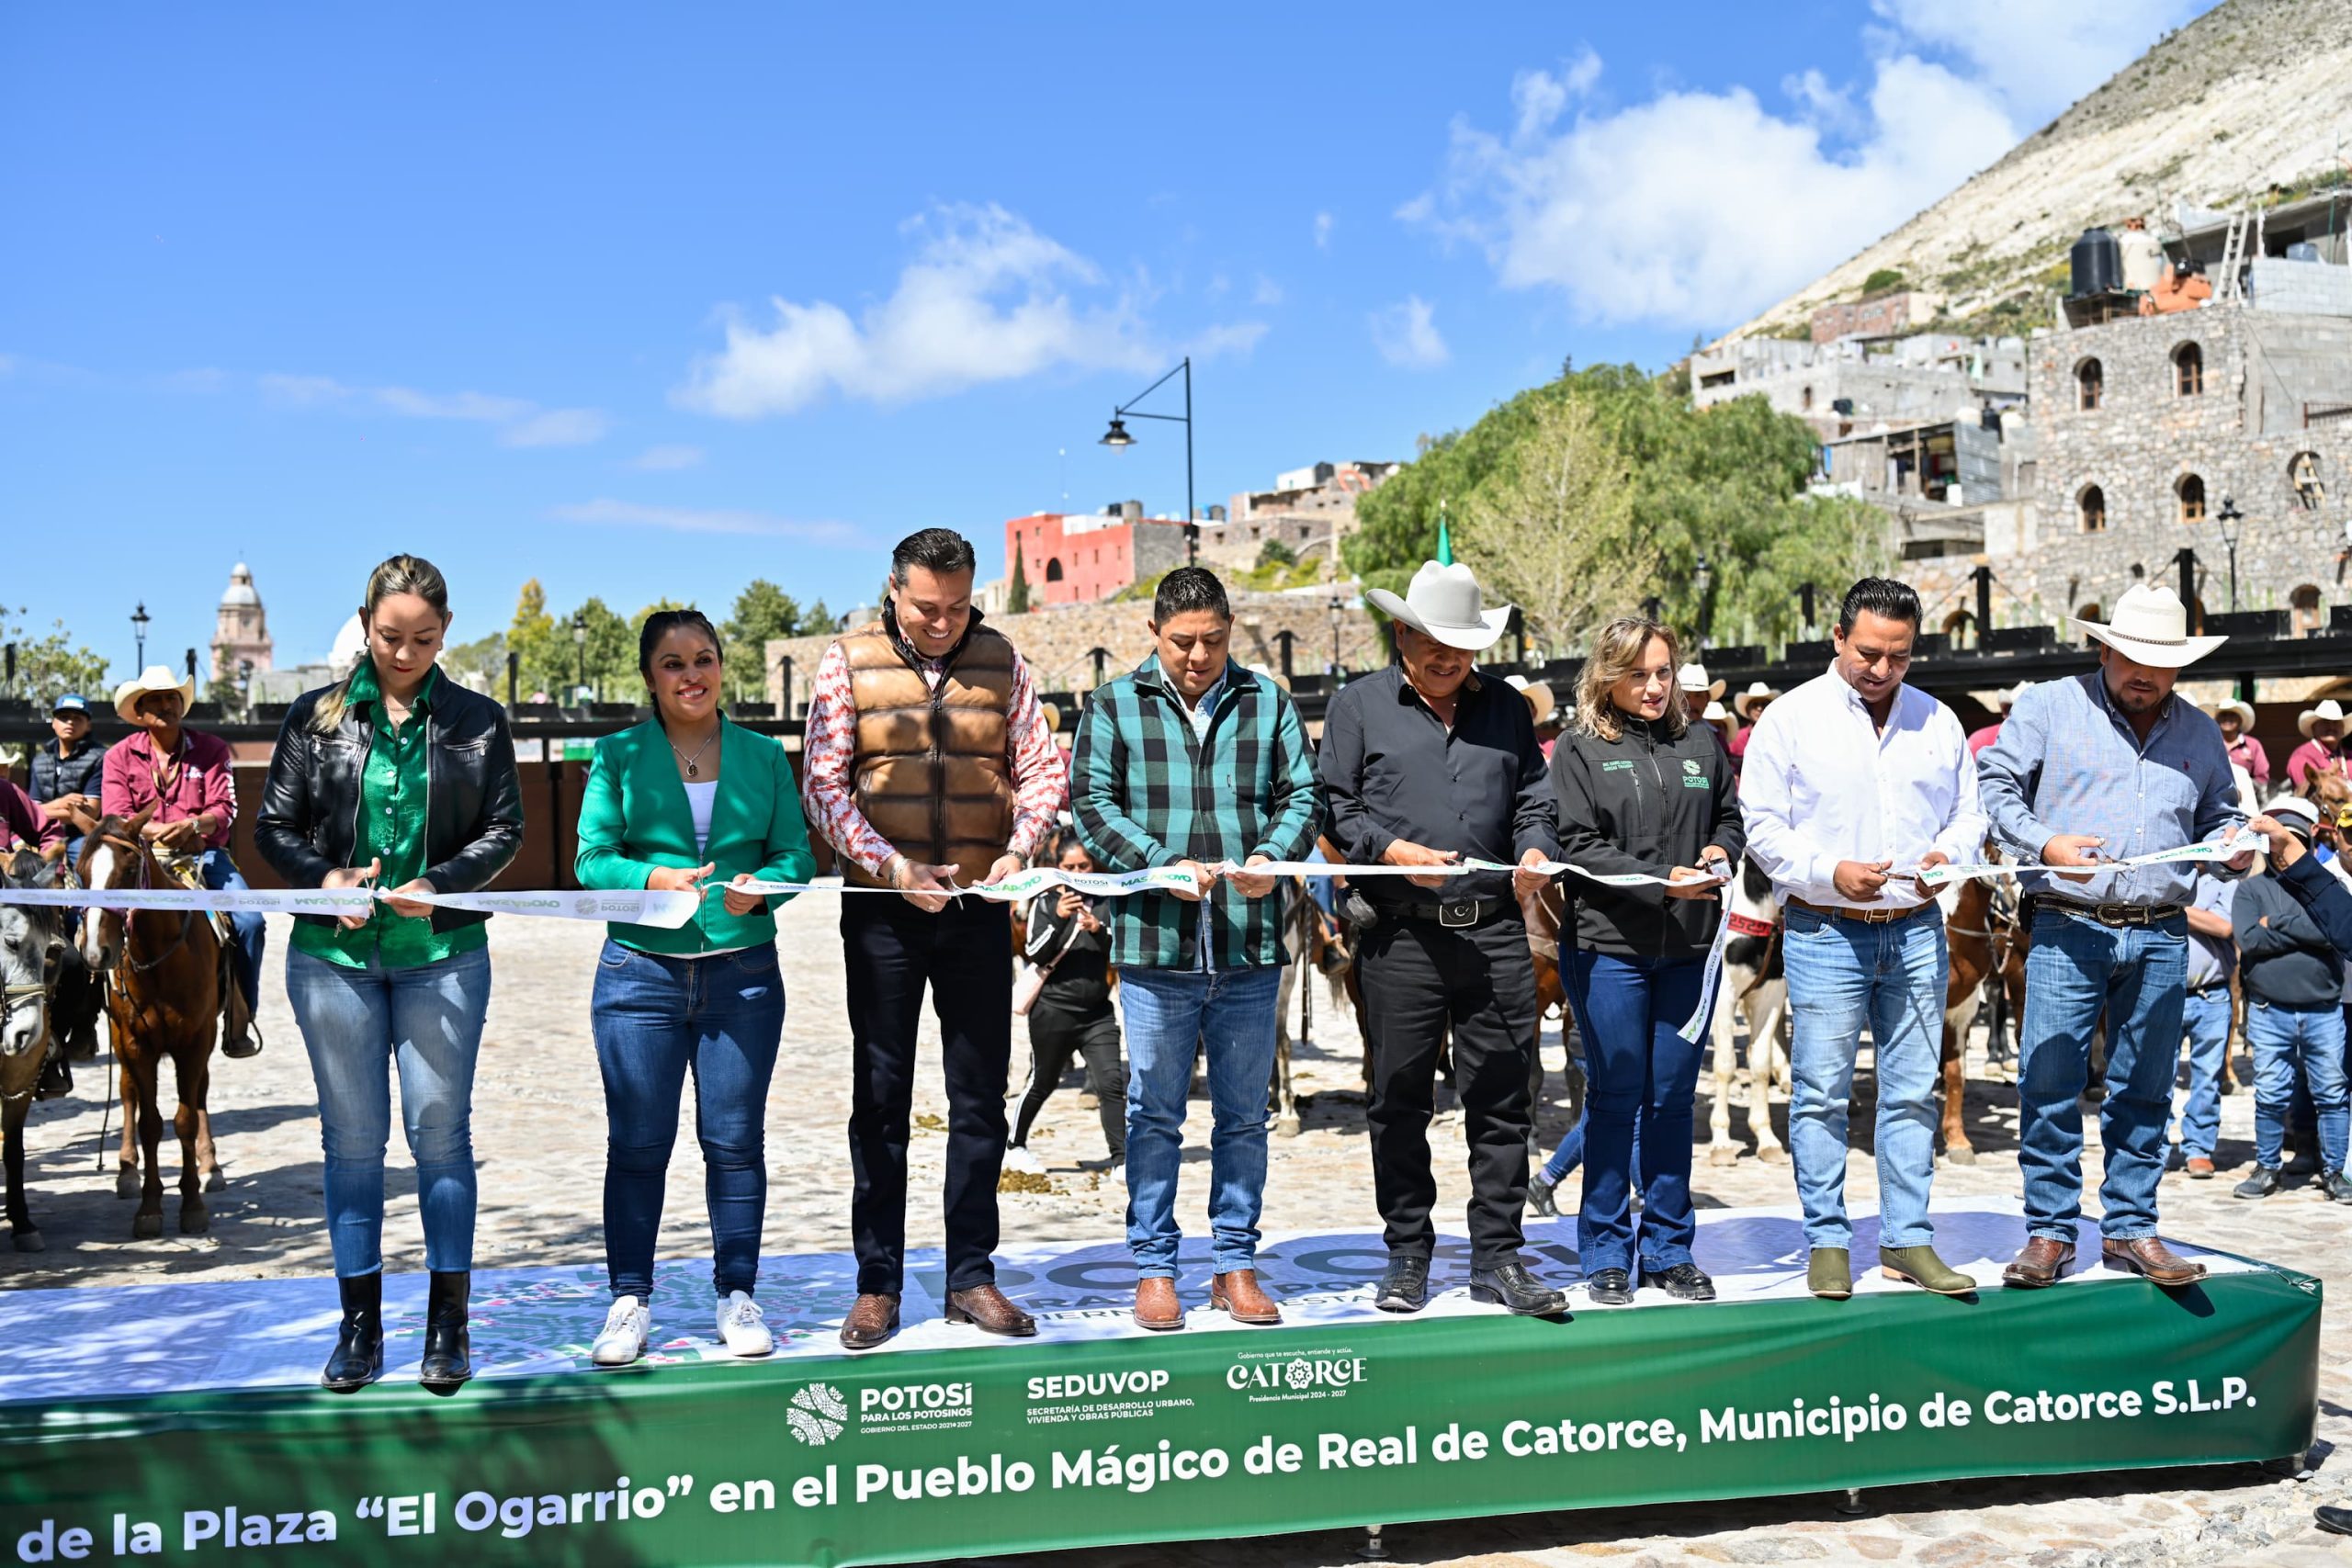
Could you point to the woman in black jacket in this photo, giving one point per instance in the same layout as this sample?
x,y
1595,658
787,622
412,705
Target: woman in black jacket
x,y
1640,790
395,777
1072,1015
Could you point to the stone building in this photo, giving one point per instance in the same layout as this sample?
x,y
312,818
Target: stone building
x,y
241,629
2146,425
1308,511
1855,386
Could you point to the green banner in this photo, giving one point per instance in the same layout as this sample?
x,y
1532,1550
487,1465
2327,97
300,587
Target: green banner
x,y
1026,1446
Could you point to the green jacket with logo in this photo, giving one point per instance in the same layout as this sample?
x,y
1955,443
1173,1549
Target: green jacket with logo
x,y
634,816
1647,801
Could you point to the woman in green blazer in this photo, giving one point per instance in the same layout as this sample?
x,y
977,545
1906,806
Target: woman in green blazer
x,y
687,801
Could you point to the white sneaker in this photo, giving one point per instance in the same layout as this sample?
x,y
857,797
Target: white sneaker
x,y
742,1327
623,1339
1021,1157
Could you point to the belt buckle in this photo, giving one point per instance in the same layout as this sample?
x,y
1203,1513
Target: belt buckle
x,y
2117,916
1456,913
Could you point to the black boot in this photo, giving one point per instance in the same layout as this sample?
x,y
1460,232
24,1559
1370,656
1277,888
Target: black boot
x,y
449,1359
359,1358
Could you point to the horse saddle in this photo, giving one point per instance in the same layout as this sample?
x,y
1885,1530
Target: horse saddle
x,y
187,872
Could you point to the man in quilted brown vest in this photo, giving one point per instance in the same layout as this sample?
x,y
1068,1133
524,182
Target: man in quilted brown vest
x,y
929,765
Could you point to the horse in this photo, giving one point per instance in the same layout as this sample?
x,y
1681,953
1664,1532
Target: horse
x,y
32,943
163,974
1753,986
1985,942
1310,941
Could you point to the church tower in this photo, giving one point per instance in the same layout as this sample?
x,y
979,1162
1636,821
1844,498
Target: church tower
x,y
240,630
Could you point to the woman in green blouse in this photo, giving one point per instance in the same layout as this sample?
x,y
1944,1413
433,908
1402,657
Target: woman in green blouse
x,y
687,801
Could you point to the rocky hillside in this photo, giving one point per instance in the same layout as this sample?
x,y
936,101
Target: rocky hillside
x,y
2252,101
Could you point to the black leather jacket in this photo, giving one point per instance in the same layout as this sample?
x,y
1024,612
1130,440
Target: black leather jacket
x,y
310,805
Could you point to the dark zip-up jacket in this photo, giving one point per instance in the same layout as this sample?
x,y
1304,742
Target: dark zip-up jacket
x,y
1646,801
473,821
2287,961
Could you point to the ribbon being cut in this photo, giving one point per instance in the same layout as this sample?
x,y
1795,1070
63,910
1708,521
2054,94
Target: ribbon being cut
x,y
2213,849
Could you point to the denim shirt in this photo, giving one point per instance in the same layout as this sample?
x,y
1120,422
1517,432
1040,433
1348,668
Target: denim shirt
x,y
2069,762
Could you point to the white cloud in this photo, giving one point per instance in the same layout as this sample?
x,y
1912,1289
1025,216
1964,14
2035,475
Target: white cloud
x,y
1322,230
1267,292
662,459
985,299
1406,335
605,511
1698,208
520,421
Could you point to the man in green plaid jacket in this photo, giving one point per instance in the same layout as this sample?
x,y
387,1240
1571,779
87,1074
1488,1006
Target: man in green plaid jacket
x,y
1192,761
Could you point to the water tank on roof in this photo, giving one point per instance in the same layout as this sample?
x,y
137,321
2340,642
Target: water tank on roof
x,y
2143,259
2096,263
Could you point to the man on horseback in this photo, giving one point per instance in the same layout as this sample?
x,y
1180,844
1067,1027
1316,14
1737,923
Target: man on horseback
x,y
187,776
65,780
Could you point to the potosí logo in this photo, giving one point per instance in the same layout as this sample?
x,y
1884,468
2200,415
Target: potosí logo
x,y
1691,764
1296,1374
584,906
891,1397
817,1415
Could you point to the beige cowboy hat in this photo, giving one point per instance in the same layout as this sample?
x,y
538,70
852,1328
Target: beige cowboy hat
x,y
2232,704
154,678
1692,677
2009,699
1444,602
1715,713
2150,627
1053,716
1758,692
1541,702
2330,709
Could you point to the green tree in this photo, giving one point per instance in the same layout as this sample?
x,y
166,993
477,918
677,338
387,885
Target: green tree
x,y
531,636
1885,281
1016,594
1727,483
1273,552
1552,531
610,650
49,665
485,657
762,611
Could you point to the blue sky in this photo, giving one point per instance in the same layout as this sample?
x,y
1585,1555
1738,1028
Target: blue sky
x,y
651,300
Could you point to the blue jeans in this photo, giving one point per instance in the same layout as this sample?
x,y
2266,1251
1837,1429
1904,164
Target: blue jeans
x,y
1844,976
1640,1073
2136,976
2206,1015
1170,1013
221,873
655,1018
424,1020
1570,1154
2283,1039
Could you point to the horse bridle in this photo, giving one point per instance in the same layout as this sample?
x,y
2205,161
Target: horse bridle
x,y
145,856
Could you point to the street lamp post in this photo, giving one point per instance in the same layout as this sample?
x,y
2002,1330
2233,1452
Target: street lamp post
x,y
579,635
1118,440
1703,578
1337,606
138,619
2230,517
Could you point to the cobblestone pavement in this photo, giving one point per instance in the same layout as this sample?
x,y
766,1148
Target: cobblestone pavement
x,y
538,1132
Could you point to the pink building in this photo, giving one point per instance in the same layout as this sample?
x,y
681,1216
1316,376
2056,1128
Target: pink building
x,y
1076,558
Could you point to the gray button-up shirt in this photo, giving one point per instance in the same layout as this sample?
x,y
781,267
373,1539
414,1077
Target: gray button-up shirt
x,y
2068,762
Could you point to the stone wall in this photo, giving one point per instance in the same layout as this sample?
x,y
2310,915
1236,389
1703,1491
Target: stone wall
x,y
1057,642
2145,438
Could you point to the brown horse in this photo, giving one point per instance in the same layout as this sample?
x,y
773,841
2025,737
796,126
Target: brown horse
x,y
32,941
1984,940
163,968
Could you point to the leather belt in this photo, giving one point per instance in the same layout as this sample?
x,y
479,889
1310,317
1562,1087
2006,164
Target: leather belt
x,y
2109,914
1867,917
1456,914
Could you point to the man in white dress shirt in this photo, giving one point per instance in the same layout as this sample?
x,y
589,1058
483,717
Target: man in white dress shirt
x,y
1854,784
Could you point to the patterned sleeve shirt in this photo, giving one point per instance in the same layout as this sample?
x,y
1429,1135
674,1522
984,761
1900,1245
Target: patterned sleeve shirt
x,y
2068,762
829,755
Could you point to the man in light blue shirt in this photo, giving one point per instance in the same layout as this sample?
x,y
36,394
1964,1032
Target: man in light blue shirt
x,y
2093,769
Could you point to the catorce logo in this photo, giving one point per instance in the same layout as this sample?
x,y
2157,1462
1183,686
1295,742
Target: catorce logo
x,y
817,1414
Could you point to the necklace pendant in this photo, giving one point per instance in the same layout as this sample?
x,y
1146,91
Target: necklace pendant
x,y
694,769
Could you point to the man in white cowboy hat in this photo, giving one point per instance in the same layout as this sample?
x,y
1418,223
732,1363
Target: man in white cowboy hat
x,y
1749,706
2322,747
2106,766
2236,719
1978,739
1423,764
187,777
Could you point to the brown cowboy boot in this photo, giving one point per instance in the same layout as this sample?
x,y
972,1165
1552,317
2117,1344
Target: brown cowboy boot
x,y
2152,1259
1156,1306
1237,1296
238,1039
872,1320
986,1309
2043,1259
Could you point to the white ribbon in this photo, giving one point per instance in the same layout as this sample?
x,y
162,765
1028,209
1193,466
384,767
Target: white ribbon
x,y
2204,852
646,908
